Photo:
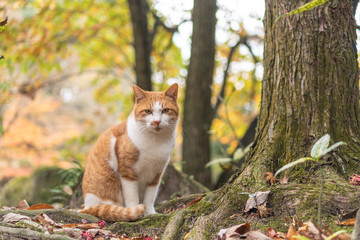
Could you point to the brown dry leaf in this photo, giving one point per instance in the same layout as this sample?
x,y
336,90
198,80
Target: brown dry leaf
x,y
233,232
14,217
291,232
349,222
84,226
310,230
7,208
22,205
195,201
257,200
40,206
270,177
270,232
256,235
45,220
284,180
264,211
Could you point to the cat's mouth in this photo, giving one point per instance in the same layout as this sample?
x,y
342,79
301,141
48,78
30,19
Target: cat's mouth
x,y
157,129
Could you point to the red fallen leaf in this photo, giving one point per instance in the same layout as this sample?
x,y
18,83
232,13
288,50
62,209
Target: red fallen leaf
x,y
81,225
22,205
354,179
101,224
195,201
87,235
40,206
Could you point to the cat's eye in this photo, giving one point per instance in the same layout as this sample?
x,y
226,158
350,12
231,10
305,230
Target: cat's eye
x,y
148,111
165,110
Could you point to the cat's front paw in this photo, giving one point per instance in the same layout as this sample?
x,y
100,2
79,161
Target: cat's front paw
x,y
150,211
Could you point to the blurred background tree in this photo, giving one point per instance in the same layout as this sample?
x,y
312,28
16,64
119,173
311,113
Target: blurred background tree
x,y
69,67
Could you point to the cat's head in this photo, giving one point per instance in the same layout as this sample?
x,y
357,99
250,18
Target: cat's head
x,y
156,111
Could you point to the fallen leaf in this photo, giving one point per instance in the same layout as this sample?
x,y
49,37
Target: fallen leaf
x,y
101,224
255,235
87,235
310,230
284,180
7,208
233,232
354,179
40,206
349,222
45,220
22,205
84,226
270,232
195,201
14,217
291,232
270,177
264,211
254,201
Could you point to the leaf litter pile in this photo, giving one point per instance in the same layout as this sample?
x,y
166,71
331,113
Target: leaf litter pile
x,y
44,224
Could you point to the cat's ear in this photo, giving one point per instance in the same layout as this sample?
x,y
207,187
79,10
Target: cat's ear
x,y
139,93
172,92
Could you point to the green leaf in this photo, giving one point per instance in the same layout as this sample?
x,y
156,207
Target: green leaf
x,y
218,161
300,237
289,165
320,146
305,7
335,234
332,147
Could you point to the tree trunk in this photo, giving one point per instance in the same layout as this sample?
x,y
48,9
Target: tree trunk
x,y
197,107
310,86
138,11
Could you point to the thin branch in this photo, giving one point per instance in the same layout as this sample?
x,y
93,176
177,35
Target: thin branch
x,y
221,95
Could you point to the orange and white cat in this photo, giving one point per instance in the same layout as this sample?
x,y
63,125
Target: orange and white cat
x,y
125,166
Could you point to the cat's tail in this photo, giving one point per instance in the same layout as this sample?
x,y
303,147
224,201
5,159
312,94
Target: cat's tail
x,y
116,213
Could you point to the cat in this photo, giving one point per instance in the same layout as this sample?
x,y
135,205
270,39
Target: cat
x,y
125,166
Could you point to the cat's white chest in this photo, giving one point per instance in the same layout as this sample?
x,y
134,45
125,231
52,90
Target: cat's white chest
x,y
155,150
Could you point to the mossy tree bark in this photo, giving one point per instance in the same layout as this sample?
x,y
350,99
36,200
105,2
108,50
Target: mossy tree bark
x,y
197,106
310,86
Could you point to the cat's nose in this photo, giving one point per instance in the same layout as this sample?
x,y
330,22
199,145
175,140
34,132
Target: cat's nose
x,y
157,122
